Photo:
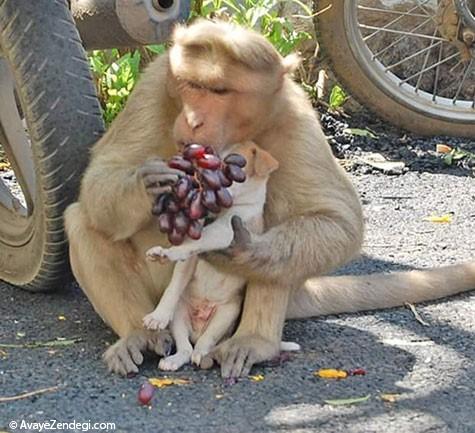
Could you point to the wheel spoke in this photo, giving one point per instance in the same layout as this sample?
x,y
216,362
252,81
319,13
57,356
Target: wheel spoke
x,y
417,53
394,21
436,76
426,60
422,71
389,11
394,43
468,69
401,32
14,139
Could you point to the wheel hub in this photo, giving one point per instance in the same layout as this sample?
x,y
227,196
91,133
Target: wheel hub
x,y
456,22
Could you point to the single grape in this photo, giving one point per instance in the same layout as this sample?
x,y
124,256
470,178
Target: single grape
x,y
224,198
236,159
145,394
182,164
186,202
181,223
165,223
182,187
223,179
172,205
208,198
235,173
160,204
209,161
195,229
175,238
197,210
211,178
193,151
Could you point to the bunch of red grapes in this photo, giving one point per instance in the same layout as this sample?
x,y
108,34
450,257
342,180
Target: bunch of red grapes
x,y
199,194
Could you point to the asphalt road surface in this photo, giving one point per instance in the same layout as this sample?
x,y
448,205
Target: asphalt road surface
x,y
430,369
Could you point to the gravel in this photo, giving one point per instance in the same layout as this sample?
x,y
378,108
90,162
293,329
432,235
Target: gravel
x,y
430,368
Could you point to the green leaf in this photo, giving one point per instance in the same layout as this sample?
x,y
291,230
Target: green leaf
x,y
157,49
346,401
360,132
337,97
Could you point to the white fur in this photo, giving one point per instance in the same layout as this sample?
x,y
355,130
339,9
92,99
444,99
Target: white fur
x,y
196,284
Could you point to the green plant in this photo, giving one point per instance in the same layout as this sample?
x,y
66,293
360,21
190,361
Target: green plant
x,y
115,74
337,97
261,15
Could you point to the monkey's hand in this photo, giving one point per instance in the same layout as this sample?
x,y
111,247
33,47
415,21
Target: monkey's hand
x,y
238,354
157,177
237,257
242,239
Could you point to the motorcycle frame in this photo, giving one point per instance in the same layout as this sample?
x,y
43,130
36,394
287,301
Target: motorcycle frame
x,y
126,23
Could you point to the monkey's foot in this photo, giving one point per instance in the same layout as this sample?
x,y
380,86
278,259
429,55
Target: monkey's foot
x,y
174,254
174,362
126,354
238,354
157,319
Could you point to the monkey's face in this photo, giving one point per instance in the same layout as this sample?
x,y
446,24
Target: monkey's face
x,y
218,115
227,79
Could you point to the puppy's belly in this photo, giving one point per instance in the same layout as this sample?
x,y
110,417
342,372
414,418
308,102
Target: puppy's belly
x,y
209,289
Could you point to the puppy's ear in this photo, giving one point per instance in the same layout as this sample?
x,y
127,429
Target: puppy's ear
x,y
264,162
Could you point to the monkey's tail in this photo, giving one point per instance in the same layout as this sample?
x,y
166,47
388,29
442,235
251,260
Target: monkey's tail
x,y
346,294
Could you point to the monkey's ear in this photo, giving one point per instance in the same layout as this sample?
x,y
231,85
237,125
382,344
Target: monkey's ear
x,y
291,62
264,162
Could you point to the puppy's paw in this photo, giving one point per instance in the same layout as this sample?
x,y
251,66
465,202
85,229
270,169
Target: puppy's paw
x,y
174,362
163,255
157,320
157,254
289,346
202,359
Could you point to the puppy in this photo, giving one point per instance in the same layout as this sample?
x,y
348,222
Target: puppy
x,y
202,304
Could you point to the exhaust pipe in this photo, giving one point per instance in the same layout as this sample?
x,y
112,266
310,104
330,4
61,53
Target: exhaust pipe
x,y
126,23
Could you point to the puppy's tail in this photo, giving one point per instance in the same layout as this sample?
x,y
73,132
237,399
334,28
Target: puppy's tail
x,y
345,294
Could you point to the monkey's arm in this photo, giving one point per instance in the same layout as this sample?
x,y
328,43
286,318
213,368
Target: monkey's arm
x,y
117,196
294,250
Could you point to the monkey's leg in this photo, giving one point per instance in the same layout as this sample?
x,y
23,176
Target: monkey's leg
x,y
219,326
163,313
259,333
180,328
118,284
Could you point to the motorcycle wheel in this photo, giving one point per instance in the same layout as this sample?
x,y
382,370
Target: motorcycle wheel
x,y
391,56
49,117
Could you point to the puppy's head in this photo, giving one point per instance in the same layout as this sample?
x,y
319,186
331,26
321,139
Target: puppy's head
x,y
259,162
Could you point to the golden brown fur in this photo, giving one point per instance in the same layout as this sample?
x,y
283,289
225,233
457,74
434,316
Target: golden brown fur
x,y
220,85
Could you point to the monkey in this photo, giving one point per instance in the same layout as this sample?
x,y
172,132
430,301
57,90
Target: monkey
x,y
220,84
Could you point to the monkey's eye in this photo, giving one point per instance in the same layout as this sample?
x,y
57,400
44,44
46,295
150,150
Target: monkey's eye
x,y
219,91
195,86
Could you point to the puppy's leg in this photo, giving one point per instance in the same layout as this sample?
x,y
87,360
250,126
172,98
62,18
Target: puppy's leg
x,y
180,328
216,236
219,326
163,313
